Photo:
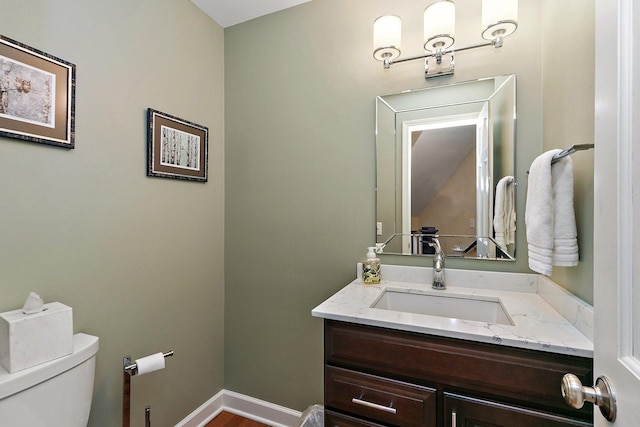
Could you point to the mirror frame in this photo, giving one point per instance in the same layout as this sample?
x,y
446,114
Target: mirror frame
x,y
395,110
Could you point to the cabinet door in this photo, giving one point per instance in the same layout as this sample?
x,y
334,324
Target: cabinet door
x,y
463,411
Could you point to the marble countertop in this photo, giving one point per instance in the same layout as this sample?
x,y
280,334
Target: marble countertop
x,y
546,317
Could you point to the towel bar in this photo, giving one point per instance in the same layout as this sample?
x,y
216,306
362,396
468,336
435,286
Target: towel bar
x,y
571,150
568,151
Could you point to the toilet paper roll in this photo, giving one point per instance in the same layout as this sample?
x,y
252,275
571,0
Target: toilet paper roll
x,y
150,363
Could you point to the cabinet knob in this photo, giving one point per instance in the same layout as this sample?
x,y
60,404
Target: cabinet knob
x,y
575,394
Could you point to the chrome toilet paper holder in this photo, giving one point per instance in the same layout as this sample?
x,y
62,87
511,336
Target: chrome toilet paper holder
x,y
130,369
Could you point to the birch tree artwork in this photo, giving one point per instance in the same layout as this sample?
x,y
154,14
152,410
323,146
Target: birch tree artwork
x,y
26,93
179,149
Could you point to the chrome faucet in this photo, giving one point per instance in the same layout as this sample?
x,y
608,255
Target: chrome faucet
x,y
438,265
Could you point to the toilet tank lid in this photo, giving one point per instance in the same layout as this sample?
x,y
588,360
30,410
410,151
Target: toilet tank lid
x,y
84,347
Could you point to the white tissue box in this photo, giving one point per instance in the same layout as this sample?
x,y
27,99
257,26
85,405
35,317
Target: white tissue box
x,y
27,340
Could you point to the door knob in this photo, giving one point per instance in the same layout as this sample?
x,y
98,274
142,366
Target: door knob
x,y
575,394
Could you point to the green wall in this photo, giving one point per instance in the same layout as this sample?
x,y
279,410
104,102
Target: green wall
x,y
289,102
569,93
139,259
300,88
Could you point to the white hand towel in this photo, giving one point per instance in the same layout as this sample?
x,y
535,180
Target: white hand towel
x,y
539,214
511,216
549,214
565,233
504,212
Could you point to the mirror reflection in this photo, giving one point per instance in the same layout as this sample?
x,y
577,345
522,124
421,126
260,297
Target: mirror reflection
x,y
445,165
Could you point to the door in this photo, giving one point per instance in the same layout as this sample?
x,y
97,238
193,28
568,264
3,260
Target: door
x,y
617,214
484,184
422,151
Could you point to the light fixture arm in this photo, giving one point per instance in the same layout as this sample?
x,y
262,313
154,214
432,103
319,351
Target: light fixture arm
x,y
495,43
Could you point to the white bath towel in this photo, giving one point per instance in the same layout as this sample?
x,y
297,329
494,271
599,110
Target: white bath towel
x,y
549,216
504,218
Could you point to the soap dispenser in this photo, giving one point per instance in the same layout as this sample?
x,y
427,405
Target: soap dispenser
x,y
371,268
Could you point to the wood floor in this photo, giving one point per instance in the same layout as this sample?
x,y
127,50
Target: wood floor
x,y
227,419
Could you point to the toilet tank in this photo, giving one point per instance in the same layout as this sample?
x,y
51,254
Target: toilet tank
x,y
56,393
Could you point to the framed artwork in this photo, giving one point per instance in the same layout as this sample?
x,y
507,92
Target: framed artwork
x,y
176,148
37,95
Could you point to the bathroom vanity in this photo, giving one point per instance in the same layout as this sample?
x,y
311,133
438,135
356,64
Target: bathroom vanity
x,y
388,362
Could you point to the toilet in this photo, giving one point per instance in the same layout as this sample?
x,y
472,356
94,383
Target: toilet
x,y
55,393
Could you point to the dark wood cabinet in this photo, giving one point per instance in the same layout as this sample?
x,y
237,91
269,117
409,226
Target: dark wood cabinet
x,y
381,399
377,376
471,412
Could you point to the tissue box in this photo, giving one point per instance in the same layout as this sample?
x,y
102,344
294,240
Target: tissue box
x,y
27,340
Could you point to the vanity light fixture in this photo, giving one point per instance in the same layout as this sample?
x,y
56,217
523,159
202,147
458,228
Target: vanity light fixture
x,y
499,20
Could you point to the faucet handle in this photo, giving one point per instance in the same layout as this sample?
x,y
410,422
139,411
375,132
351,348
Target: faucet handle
x,y
435,243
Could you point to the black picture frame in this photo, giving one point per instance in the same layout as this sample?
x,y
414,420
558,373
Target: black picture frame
x,y
176,148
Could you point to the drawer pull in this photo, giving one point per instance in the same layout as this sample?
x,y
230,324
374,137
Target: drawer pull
x,y
373,405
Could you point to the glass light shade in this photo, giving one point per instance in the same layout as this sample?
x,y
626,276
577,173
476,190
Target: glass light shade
x,y
499,18
387,37
439,25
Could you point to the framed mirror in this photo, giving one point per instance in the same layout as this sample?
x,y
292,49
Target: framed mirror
x,y
445,165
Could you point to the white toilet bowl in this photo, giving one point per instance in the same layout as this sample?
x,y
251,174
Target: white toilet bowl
x,y
56,393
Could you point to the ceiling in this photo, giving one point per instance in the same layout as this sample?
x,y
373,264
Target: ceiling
x,y
230,12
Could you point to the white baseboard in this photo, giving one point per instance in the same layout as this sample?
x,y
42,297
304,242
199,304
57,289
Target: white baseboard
x,y
239,404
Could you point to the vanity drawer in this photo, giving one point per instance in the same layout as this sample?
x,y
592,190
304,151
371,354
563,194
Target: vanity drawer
x,y
334,419
518,376
384,400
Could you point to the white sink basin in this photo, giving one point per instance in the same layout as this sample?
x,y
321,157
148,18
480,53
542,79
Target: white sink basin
x,y
479,309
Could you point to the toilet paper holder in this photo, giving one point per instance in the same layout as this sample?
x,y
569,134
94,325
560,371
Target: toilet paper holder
x,y
132,368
